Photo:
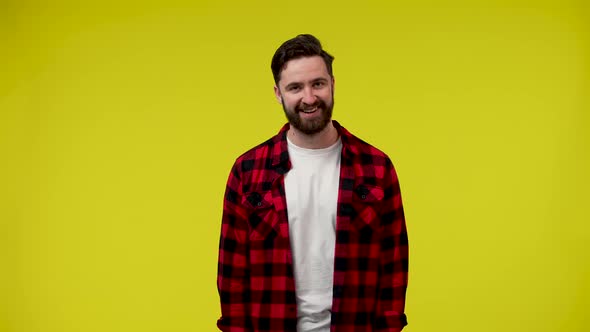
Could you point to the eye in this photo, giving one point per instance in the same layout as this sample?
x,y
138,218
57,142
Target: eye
x,y
319,84
293,88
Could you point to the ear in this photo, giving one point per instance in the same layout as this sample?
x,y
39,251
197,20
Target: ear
x,y
333,83
278,95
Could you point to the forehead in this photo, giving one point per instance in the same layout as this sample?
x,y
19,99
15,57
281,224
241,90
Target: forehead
x,y
304,69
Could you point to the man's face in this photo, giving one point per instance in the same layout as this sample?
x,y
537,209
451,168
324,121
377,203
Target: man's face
x,y
306,91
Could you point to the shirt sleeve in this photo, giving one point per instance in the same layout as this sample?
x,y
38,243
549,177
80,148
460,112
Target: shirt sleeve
x,y
233,265
393,277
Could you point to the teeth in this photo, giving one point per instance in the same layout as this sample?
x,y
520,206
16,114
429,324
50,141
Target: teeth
x,y
310,110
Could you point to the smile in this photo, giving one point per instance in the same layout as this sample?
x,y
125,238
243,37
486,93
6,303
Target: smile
x,y
308,111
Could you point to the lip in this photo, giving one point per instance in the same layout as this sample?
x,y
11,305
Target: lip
x,y
313,110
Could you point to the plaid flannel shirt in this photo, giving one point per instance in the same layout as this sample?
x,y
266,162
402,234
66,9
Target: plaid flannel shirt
x,y
255,271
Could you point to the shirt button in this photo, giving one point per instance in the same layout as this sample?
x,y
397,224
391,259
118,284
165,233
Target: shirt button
x,y
259,204
363,196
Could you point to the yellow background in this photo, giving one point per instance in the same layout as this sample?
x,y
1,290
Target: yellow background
x,y
119,122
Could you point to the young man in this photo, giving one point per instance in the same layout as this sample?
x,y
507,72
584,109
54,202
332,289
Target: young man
x,y
313,234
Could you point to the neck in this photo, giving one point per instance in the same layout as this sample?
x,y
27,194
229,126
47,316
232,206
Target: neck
x,y
323,139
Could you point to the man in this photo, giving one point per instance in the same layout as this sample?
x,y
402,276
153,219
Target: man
x,y
313,233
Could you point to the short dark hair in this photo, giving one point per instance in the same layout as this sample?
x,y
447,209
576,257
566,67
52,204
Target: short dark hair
x,y
304,45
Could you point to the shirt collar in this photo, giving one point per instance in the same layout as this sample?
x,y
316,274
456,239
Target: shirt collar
x,y
280,154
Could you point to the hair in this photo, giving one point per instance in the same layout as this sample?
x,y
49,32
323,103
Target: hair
x,y
304,45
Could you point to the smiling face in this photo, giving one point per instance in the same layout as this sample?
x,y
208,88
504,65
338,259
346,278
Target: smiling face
x,y
306,91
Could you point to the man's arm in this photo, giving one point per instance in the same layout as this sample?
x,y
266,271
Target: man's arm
x,y
233,266
393,274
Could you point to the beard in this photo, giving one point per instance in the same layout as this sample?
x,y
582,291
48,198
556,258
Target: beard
x,y
310,126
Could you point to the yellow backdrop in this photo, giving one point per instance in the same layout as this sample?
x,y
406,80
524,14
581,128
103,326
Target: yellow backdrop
x,y
119,123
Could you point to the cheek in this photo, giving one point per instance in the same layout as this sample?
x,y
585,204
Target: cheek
x,y
327,95
290,102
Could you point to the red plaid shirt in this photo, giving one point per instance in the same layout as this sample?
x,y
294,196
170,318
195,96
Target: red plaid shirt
x,y
255,273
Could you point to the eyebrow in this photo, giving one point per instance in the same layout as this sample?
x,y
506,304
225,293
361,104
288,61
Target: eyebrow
x,y
292,85
315,80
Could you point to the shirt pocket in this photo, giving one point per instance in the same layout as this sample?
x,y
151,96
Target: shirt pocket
x,y
366,203
262,215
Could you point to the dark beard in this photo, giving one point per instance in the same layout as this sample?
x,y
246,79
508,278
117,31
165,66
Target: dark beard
x,y
314,126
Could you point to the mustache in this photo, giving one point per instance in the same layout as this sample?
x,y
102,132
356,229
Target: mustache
x,y
319,104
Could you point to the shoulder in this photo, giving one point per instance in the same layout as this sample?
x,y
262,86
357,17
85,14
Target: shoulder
x,y
372,167
364,152
263,156
364,147
251,168
258,153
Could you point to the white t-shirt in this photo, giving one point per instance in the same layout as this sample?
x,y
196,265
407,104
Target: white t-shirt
x,y
311,188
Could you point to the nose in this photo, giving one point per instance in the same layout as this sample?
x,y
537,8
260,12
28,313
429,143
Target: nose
x,y
309,98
